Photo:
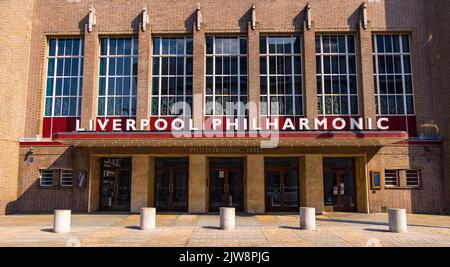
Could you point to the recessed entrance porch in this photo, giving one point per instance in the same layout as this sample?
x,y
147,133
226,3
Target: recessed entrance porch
x,y
252,183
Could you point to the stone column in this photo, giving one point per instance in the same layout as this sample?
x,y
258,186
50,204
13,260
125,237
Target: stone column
x,y
90,77
93,178
139,182
311,186
197,183
151,182
198,76
255,184
309,72
253,74
365,73
144,70
362,187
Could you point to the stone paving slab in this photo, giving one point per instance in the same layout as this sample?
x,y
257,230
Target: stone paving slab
x,y
333,230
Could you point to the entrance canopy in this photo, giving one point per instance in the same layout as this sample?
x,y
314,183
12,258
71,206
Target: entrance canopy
x,y
163,139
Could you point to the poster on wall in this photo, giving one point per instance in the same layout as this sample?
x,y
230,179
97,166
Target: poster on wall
x,y
375,180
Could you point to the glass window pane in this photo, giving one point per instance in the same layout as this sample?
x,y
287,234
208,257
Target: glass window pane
x,y
51,67
52,47
173,46
405,43
410,104
209,66
57,111
180,46
351,44
189,46
263,65
243,45
209,45
262,45
59,67
48,106
49,88
243,67
61,47
263,85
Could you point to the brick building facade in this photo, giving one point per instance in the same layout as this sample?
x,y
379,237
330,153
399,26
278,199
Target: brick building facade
x,y
89,61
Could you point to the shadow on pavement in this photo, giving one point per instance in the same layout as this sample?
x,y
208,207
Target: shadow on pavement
x,y
351,221
211,227
289,227
376,230
377,223
133,227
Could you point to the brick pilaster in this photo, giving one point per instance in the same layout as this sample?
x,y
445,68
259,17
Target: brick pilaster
x,y
253,73
144,77
309,73
366,93
90,77
198,77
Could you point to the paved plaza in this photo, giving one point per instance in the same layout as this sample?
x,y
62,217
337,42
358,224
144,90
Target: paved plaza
x,y
333,229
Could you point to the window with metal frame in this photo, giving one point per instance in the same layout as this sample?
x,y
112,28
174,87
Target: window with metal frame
x,y
118,76
172,76
337,89
413,178
393,74
66,178
281,90
46,177
226,76
64,77
391,178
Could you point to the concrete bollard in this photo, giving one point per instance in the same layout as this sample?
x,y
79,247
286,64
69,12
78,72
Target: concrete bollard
x,y
307,218
397,221
148,218
61,221
227,219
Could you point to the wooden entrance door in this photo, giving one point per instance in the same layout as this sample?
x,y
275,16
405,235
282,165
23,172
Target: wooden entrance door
x,y
282,189
171,188
339,189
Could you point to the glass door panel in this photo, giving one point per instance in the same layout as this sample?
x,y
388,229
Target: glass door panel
x,y
162,189
347,190
217,188
108,189
115,191
273,189
234,189
290,189
123,190
330,188
226,183
179,189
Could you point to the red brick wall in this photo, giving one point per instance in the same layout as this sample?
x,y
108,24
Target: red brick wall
x,y
55,17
